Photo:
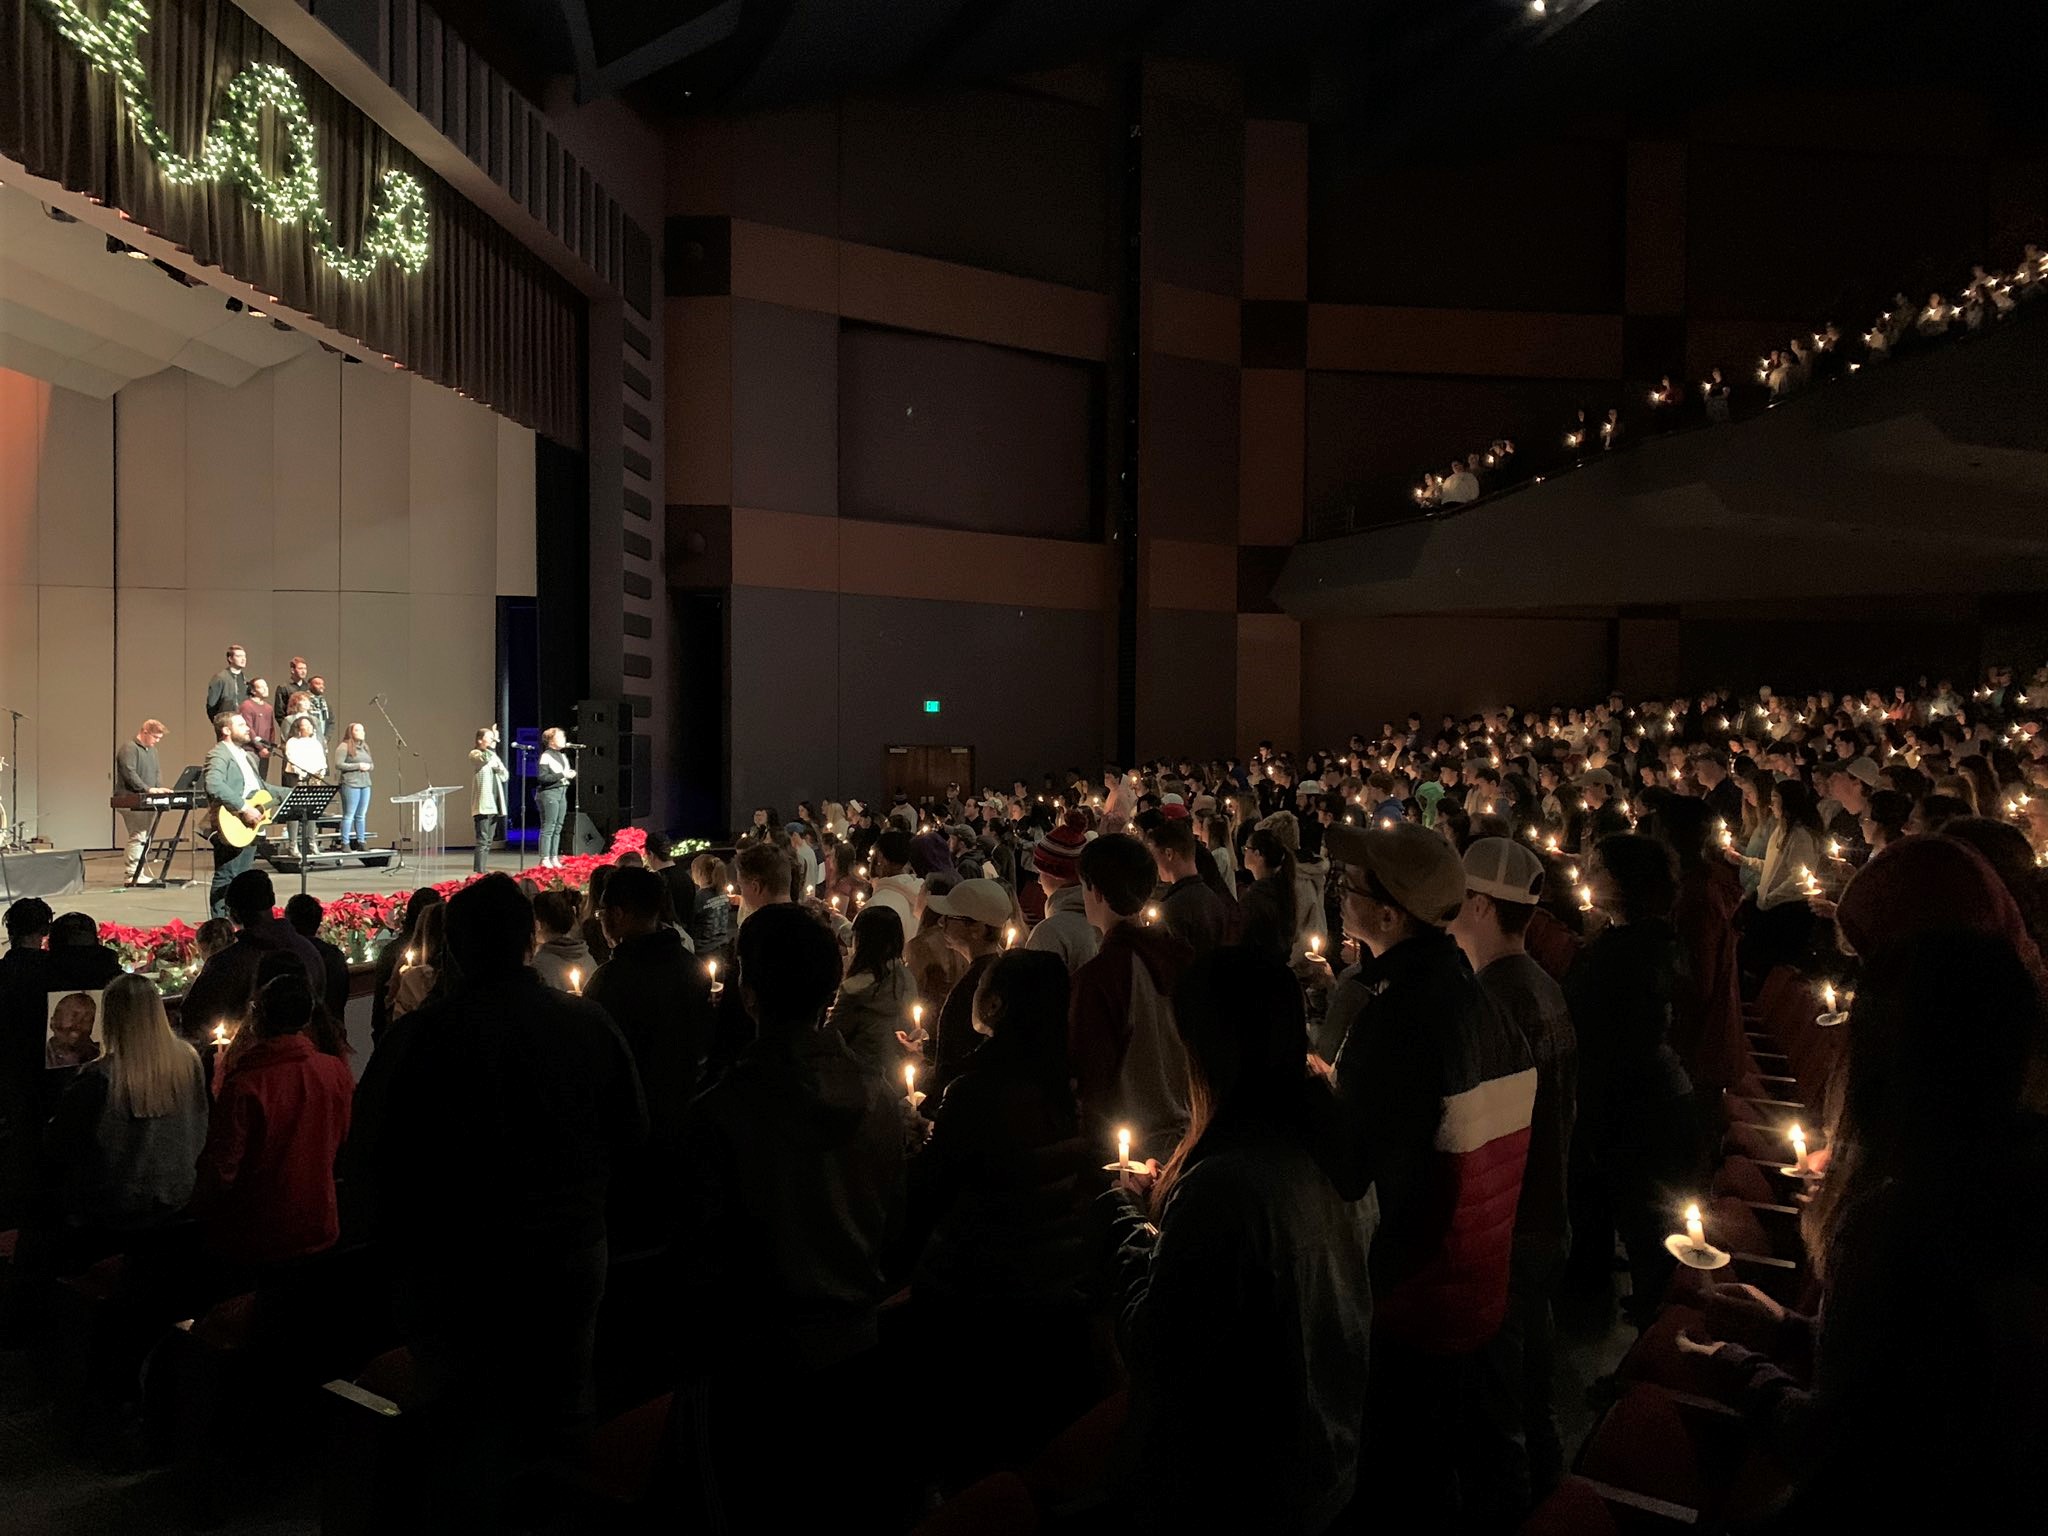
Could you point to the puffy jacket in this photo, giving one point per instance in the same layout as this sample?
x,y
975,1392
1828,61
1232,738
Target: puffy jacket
x,y
1129,1064
869,1012
1432,1101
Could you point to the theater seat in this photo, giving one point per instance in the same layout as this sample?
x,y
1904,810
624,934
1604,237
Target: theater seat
x,y
996,1506
622,1452
1074,1468
1745,1180
1656,1358
1574,1508
1643,1445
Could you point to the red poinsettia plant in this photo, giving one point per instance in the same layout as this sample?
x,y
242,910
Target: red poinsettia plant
x,y
353,921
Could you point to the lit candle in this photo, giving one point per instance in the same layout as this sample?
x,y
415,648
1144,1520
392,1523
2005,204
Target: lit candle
x,y
1010,936
917,1018
835,903
1695,1229
910,1080
220,1033
1799,1163
1315,943
408,957
1585,898
1835,849
861,872
1151,914
1123,1147
575,980
1827,997
1550,843
1571,874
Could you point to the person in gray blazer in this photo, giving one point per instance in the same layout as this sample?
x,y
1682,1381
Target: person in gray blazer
x,y
486,795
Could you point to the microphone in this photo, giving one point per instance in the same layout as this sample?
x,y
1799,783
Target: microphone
x,y
574,746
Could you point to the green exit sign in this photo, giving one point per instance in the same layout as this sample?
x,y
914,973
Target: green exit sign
x,y
931,706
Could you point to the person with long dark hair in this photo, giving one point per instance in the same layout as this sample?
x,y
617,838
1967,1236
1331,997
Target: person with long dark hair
x,y
392,956
1246,1301
1781,925
996,1207
1272,925
877,996
1923,1408
1634,1141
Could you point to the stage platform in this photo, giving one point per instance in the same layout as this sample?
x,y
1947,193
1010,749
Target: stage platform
x,y
149,906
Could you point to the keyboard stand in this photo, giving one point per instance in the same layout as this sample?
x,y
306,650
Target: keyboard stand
x,y
167,849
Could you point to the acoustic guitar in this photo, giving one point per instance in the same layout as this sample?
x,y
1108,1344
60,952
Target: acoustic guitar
x,y
237,833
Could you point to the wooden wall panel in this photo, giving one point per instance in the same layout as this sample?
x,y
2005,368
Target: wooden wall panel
x,y
376,470
150,472
306,471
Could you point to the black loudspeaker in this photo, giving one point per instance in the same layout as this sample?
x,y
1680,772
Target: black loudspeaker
x,y
586,838
604,768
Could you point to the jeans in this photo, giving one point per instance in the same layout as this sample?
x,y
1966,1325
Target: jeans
x,y
355,813
486,834
554,807
228,862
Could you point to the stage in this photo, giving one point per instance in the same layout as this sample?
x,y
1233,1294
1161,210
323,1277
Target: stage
x,y
149,906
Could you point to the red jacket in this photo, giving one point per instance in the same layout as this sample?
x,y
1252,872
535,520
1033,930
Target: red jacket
x,y
266,1178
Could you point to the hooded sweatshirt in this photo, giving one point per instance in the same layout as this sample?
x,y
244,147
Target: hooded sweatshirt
x,y
869,1012
558,957
1129,1064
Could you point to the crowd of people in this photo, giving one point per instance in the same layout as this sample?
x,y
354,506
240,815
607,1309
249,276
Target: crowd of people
x,y
1277,1102
1817,357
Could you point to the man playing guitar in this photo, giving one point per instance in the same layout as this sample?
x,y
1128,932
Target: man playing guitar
x,y
234,785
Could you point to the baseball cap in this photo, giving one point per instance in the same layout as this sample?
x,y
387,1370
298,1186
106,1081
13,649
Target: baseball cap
x,y
1414,865
1600,777
1863,769
984,901
1502,868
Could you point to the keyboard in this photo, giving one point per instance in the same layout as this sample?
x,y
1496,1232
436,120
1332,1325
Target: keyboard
x,y
170,800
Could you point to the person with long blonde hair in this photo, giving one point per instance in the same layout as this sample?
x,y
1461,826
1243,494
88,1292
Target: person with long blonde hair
x,y
124,1142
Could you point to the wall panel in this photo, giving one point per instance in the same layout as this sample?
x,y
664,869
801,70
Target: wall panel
x,y
149,469
75,492
453,497
74,750
376,469
785,408
306,470
515,492
229,529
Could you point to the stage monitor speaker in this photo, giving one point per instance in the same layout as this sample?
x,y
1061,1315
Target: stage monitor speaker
x,y
604,767
586,838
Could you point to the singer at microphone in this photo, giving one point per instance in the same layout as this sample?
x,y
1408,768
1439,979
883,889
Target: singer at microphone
x,y
552,794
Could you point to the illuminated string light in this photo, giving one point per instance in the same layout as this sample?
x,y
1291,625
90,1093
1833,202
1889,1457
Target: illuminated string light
x,y
397,230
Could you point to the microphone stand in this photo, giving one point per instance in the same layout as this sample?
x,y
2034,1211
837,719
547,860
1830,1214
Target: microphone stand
x,y
13,835
377,701
522,746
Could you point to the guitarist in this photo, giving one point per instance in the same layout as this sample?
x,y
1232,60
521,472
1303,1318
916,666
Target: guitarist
x,y
232,781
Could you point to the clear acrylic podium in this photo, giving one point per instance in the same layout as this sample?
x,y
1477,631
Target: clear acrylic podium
x,y
427,820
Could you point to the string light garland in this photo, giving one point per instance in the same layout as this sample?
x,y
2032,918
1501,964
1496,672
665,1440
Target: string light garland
x,y
398,226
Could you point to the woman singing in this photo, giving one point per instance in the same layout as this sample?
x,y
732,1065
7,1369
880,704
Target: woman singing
x,y
353,759
553,794
305,757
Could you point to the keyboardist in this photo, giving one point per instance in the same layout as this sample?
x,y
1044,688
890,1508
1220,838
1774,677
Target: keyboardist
x,y
136,773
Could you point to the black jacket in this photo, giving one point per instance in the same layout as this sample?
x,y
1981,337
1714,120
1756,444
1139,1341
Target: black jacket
x,y
488,1122
226,986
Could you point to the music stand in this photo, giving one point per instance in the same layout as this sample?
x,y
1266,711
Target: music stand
x,y
304,801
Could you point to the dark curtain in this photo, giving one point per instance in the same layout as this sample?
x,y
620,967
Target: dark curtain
x,y
484,315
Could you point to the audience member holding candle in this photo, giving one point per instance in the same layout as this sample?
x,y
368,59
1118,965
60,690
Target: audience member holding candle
x,y
1247,1305
874,1010
1922,1409
1002,1253
226,986
972,916
422,967
1272,914
1781,923
1636,1139
392,955
561,953
1707,1033
1129,1068
1193,911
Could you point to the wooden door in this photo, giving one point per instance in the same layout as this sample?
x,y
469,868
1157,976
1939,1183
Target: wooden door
x,y
924,772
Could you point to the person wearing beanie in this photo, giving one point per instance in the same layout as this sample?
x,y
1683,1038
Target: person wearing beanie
x,y
1428,1106
1130,1067
1503,884
1065,930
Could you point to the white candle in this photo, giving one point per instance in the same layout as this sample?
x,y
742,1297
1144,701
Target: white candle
x,y
1695,1229
910,1081
1585,898
1010,936
1123,1147
1827,996
1315,943
220,1033
1151,914
575,979
917,1018
1799,1164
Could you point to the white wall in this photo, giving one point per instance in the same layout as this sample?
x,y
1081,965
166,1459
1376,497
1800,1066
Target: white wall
x,y
365,520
